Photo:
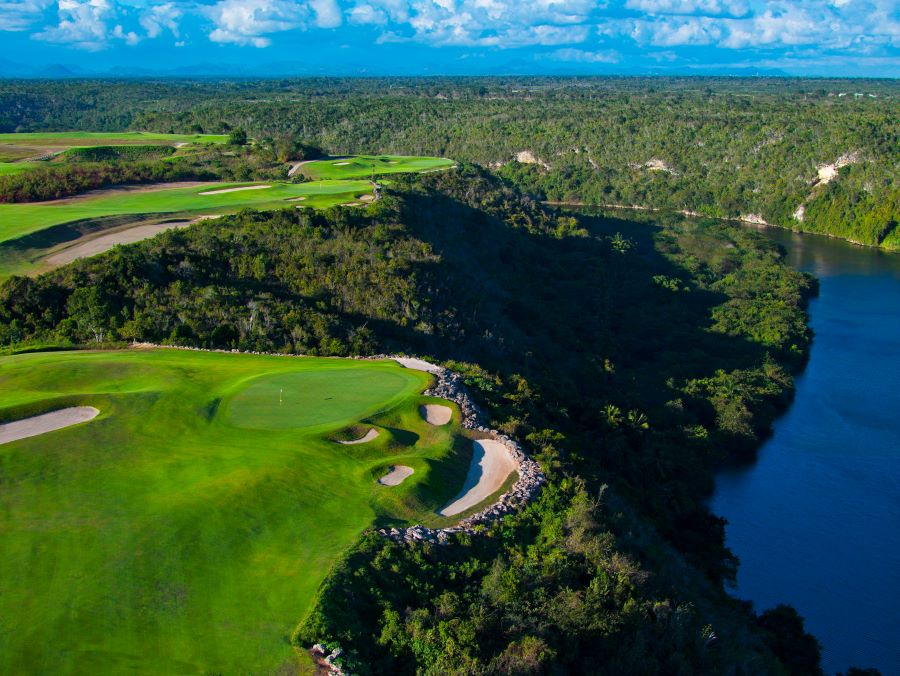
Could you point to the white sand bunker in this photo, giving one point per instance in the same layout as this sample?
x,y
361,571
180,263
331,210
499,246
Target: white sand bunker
x,y
491,465
417,364
396,475
297,199
435,414
368,436
341,164
243,187
48,422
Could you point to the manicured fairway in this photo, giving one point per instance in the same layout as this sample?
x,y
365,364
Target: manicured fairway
x,y
17,220
68,139
160,537
363,166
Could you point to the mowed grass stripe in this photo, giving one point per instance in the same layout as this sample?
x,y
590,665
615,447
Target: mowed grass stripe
x,y
88,138
160,537
18,220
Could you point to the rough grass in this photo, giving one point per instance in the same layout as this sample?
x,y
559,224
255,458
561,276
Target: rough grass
x,y
363,166
162,538
18,220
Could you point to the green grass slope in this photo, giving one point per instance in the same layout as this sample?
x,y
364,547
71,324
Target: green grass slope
x,y
18,220
364,166
187,528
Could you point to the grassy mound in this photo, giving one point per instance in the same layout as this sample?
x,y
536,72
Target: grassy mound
x,y
365,166
187,527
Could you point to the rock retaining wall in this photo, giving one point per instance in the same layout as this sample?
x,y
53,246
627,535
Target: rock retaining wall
x,y
449,385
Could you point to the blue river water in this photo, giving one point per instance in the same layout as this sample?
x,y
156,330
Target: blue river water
x,y
815,520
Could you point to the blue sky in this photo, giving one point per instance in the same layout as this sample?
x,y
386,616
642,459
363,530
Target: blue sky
x,y
797,37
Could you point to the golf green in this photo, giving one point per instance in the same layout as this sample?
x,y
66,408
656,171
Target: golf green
x,y
187,528
365,166
314,398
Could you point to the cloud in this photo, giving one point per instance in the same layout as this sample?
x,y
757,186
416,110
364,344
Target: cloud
x,y
246,22
585,56
160,17
85,25
328,14
20,16
706,7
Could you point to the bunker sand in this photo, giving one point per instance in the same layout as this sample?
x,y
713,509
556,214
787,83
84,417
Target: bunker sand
x,y
48,422
396,476
238,189
491,465
435,414
368,436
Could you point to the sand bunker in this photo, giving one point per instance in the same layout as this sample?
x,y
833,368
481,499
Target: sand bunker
x,y
417,364
368,436
297,199
435,414
48,422
491,465
341,164
396,475
367,198
243,187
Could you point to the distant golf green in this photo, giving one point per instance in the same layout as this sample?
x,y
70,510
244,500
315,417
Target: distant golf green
x,y
365,166
187,528
17,220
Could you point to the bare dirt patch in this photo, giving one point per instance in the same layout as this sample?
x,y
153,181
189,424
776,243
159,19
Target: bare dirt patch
x,y
436,414
105,242
48,422
396,475
491,465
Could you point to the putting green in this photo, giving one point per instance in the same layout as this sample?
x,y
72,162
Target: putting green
x,y
18,220
364,166
316,398
161,538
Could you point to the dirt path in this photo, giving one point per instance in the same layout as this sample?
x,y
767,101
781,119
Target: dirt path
x,y
396,476
98,245
491,465
435,414
48,422
368,436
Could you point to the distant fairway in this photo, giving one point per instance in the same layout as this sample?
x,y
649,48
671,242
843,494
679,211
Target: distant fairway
x,y
17,220
188,526
363,166
15,143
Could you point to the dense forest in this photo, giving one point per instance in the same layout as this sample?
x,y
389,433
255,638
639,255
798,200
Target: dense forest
x,y
816,155
633,358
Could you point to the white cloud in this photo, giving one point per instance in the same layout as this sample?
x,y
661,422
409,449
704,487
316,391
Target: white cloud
x,y
20,16
246,22
84,24
328,14
585,56
160,17
706,7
